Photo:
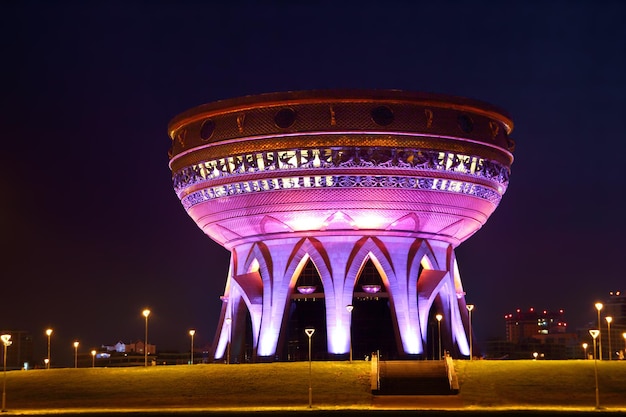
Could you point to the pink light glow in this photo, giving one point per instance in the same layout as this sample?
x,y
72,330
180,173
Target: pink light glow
x,y
306,289
371,288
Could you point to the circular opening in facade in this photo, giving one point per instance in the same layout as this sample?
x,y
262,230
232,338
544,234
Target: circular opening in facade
x,y
285,117
382,116
207,129
465,123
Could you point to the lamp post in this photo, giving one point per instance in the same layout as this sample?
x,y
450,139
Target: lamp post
x,y
350,307
585,345
146,313
76,354
599,307
309,332
93,358
594,333
609,319
228,321
191,333
624,336
470,307
6,341
439,317
48,333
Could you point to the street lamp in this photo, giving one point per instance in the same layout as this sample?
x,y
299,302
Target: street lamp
x,y
309,332
624,336
146,313
93,358
75,354
48,333
229,324
609,319
6,341
191,333
585,345
470,307
350,307
594,333
439,317
599,307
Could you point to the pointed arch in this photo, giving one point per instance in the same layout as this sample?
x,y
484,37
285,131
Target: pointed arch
x,y
364,249
314,250
440,284
259,257
422,259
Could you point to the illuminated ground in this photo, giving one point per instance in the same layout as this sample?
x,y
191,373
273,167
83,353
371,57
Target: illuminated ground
x,y
510,387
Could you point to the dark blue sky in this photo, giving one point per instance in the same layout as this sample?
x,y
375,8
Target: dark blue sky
x,y
92,232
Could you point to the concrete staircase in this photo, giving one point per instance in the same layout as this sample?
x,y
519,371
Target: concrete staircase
x,y
413,378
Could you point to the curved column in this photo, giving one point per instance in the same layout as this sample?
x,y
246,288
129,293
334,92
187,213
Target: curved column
x,y
402,288
272,257
338,289
444,283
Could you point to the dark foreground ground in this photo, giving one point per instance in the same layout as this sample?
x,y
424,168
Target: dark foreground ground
x,y
314,412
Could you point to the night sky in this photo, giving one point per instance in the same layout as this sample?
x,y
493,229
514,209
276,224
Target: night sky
x,y
90,227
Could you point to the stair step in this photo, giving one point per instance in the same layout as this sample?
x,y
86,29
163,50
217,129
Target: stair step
x,y
413,378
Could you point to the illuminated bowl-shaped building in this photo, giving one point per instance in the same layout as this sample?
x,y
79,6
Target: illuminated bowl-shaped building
x,y
341,211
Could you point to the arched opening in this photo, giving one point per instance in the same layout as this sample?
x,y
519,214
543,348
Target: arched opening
x,y
372,326
306,308
438,335
241,343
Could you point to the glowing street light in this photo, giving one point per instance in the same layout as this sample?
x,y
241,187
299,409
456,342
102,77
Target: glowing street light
x,y
350,307
229,322
439,317
585,345
146,313
48,333
191,333
594,333
76,354
470,307
609,319
309,332
93,358
6,341
599,307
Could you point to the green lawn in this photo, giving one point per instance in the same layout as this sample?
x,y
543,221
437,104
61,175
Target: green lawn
x,y
335,385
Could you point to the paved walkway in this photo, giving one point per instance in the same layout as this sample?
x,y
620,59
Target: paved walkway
x,y
414,402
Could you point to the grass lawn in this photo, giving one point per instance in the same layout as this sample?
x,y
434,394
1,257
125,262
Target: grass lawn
x,y
339,385
541,383
216,385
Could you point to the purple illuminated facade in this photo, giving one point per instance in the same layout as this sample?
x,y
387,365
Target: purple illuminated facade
x,y
330,199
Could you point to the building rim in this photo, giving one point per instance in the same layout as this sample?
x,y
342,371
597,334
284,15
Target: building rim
x,y
284,98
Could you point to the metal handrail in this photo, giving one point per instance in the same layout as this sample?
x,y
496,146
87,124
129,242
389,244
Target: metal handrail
x,y
452,377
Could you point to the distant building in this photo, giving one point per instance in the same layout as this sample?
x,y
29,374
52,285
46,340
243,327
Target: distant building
x,y
523,325
541,334
133,347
